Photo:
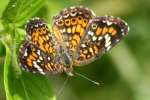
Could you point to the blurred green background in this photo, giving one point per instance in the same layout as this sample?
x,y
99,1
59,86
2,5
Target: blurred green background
x,y
124,72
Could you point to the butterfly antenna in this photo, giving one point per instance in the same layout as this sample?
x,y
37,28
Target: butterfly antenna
x,y
62,87
96,83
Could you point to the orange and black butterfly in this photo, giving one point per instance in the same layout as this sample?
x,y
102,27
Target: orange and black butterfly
x,y
78,38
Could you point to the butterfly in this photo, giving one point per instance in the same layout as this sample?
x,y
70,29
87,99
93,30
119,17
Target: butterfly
x,y
78,37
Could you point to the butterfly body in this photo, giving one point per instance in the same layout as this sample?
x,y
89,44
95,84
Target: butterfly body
x,y
78,38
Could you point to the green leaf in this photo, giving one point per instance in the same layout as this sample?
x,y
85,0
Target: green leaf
x,y
2,6
18,11
22,85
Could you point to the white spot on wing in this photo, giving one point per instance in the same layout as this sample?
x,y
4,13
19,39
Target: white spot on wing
x,y
100,38
40,58
80,12
49,58
83,45
93,13
66,15
63,30
107,44
108,48
38,52
109,23
36,25
107,40
38,67
128,28
72,7
90,33
25,54
94,38
29,37
73,14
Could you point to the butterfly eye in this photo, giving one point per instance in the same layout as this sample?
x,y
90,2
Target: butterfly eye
x,y
94,26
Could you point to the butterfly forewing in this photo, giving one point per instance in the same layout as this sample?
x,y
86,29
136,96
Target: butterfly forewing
x,y
101,35
39,34
69,26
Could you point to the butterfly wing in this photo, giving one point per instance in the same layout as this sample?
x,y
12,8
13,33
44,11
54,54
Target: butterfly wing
x,y
38,53
71,24
101,35
35,60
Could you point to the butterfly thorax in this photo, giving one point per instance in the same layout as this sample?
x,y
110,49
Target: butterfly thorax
x,y
65,57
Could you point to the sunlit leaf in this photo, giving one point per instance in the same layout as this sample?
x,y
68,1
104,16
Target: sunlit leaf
x,y
18,11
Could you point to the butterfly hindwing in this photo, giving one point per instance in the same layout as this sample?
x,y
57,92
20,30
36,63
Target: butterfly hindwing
x,y
102,34
35,60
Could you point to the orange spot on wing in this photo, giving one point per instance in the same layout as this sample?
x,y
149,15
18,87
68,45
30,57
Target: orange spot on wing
x,y
40,40
69,30
47,46
95,49
82,56
114,32
78,28
91,51
43,30
31,58
51,50
105,30
73,42
80,19
77,38
35,37
73,45
110,29
73,21
85,51
42,47
57,34
44,38
73,29
98,31
34,54
88,56
67,22
81,32
29,64
85,22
